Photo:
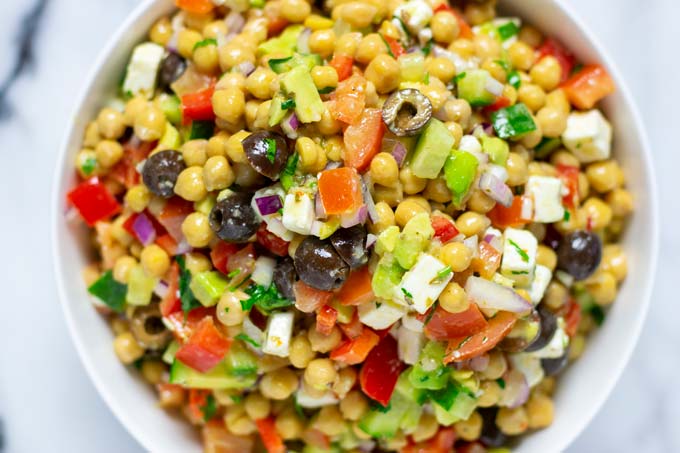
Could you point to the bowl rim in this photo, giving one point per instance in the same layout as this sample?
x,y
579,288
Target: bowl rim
x,y
121,412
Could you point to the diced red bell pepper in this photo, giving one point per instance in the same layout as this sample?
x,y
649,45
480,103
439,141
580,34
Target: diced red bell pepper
x,y
220,255
349,99
469,346
198,106
342,65
572,318
173,214
198,398
340,190
566,59
503,217
442,442
380,371
363,139
134,151
308,299
395,46
195,6
183,325
358,288
500,103
487,261
271,242
354,328
444,229
585,88
444,325
465,30
326,317
206,347
355,351
93,201
270,437
171,301
569,176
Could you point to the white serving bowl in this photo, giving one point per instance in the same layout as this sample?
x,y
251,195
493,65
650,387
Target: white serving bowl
x,y
581,390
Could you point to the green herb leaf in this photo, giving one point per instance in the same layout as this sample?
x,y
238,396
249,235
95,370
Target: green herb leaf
x,y
462,343
406,293
520,272
234,273
389,49
376,406
257,3
247,339
204,43
598,314
267,299
501,382
298,409
520,250
189,301
288,104
427,49
504,64
459,77
427,78
430,314
288,173
109,291
236,398
578,68
514,79
210,408
89,165
567,215
445,272
271,149
508,30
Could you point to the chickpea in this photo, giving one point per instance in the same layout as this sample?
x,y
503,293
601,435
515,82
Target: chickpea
x,y
279,384
583,186
521,56
530,35
355,13
154,260
597,213
237,421
437,191
602,287
385,218
390,195
486,46
229,309
196,230
564,157
383,72
232,80
234,147
490,393
497,366
329,421
426,429
453,299
532,139
322,42
577,345
150,124
553,122
444,26
459,111
214,29
469,429
518,172
217,145
91,136
256,29
324,343
324,77
295,11
152,371
206,58
556,295
194,152
108,153
532,96
480,202
133,108
406,210
137,198
300,351
289,425
411,183
477,13
471,223
170,396
456,255
259,83
348,43
126,348
217,173
369,48
353,405
256,406
186,41
197,262
330,126
312,157
232,54
463,47
110,123
620,201
512,422
546,73
441,68
540,410
604,176
229,104
161,31
347,377
190,185
384,169
495,69
262,116
122,268
546,257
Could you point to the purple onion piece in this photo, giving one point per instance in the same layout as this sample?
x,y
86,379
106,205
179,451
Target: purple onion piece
x,y
269,204
234,22
144,229
399,153
331,165
355,218
368,199
318,207
370,240
491,295
246,68
479,363
496,189
161,289
183,247
516,391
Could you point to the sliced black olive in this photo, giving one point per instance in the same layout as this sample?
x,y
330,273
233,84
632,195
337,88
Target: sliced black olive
x,y
172,68
267,152
548,329
284,277
161,171
579,254
319,265
525,332
148,329
350,243
491,435
551,367
233,218
406,112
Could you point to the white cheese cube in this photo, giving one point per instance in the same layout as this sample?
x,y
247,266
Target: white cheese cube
x,y
410,344
470,144
263,272
529,365
546,192
380,315
557,345
542,277
298,212
421,286
279,331
415,14
304,399
588,136
411,322
519,256
142,71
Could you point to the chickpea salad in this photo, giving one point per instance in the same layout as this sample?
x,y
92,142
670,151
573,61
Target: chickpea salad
x,y
353,225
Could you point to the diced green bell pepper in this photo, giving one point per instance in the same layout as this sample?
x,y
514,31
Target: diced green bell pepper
x,y
208,287
109,291
170,351
460,171
497,149
201,130
513,121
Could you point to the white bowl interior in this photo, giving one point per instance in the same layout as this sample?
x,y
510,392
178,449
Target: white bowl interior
x,y
582,388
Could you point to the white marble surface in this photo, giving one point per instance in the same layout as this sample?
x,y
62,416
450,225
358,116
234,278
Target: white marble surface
x,y
46,400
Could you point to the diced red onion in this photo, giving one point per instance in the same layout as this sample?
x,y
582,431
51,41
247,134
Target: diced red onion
x,y
144,229
268,204
371,240
460,237
494,241
368,199
496,189
289,125
498,171
472,243
491,295
183,247
318,207
177,25
234,22
367,446
303,41
399,153
488,129
315,229
355,218
331,165
161,289
493,86
246,68
516,391
275,226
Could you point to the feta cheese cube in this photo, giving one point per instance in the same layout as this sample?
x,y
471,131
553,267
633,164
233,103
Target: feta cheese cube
x,y
415,14
411,322
588,136
304,398
470,144
557,345
263,272
255,333
529,365
546,192
542,277
279,331
298,212
519,256
142,71
421,286
410,344
380,315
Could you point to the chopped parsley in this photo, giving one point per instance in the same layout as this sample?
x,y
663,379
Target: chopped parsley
x,y
428,48
407,294
459,77
567,215
597,314
508,30
189,301
298,409
376,406
247,339
236,398
209,408
205,42
430,314
234,273
266,299
520,250
578,68
387,44
288,104
503,64
288,173
501,382
462,343
514,79
271,149
520,272
444,273
89,165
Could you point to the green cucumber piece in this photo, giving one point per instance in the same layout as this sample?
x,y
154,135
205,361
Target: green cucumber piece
x,y
281,65
433,147
430,373
298,85
140,287
170,351
240,361
497,149
386,277
217,378
284,44
472,88
208,287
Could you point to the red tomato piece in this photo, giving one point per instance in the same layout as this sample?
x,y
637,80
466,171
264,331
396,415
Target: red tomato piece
x,y
566,59
220,255
444,325
134,151
358,288
271,242
349,100
572,318
488,260
395,46
167,243
171,302
195,6
198,106
183,325
198,398
342,65
569,177
444,229
206,347
340,190
352,329
326,318
308,299
354,351
173,214
503,217
270,437
380,371
242,261
585,88
500,103
467,347
363,139
93,201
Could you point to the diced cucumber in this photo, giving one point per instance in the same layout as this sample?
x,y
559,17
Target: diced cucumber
x,y
171,107
387,240
385,422
217,378
208,287
284,44
171,138
407,390
298,84
276,112
454,400
240,361
140,286
412,67
386,277
460,171
472,88
345,312
546,147
433,147
170,351
497,149
281,65
430,372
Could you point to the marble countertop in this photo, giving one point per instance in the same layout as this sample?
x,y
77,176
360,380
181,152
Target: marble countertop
x,y
46,400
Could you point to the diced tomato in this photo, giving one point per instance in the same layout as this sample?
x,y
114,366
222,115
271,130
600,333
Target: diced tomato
x,y
242,261
195,6
500,103
275,22
326,317
395,46
585,88
487,261
340,190
134,151
93,201
183,325
569,177
442,442
171,301
271,242
308,299
565,58
572,318
206,346
503,217
380,371
220,255
349,100
354,328
358,288
444,325
216,439
342,65
173,214
198,106
198,398
363,139
270,437
167,243
355,351
469,346
444,229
